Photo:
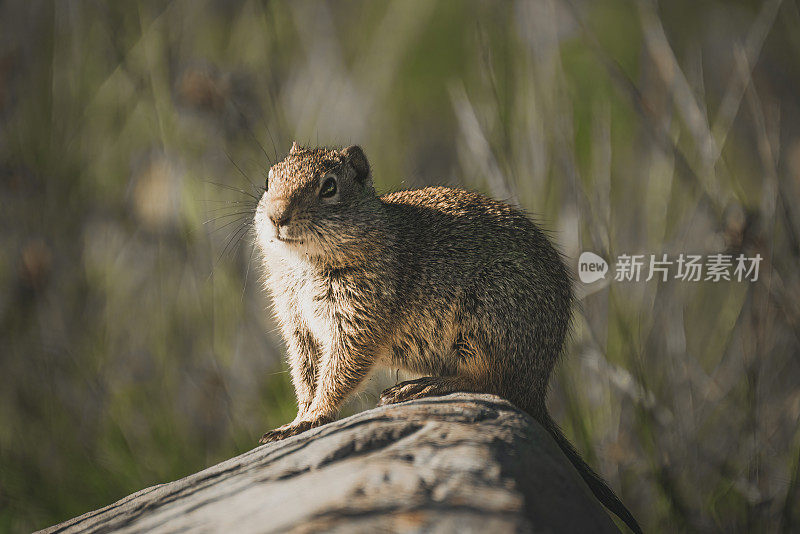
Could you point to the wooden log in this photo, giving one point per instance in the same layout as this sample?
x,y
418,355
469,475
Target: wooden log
x,y
460,463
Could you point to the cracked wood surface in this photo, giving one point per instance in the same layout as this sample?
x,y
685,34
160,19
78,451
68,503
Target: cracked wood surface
x,y
460,463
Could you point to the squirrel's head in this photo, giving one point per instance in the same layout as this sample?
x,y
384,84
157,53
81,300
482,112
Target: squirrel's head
x,y
316,201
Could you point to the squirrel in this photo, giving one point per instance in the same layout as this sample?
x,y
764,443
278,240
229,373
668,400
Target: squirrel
x,y
442,282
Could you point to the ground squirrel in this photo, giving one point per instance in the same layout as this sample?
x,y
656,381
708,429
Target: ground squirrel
x,y
441,282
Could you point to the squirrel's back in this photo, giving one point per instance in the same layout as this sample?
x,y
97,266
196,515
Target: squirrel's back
x,y
462,233
496,272
464,209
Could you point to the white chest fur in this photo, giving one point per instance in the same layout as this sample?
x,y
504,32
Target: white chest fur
x,y
300,293
316,310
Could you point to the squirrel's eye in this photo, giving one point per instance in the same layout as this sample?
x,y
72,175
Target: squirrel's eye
x,y
328,188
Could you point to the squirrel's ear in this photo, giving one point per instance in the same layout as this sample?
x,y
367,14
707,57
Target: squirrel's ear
x,y
295,148
355,156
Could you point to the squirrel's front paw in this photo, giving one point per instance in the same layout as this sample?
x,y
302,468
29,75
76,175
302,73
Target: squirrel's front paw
x,y
286,431
292,429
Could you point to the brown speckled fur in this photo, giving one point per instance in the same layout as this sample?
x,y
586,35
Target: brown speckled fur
x,y
442,282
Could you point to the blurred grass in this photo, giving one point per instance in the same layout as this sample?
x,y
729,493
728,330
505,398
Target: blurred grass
x,y
137,343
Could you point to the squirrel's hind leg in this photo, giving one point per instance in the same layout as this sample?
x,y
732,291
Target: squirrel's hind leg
x,y
428,386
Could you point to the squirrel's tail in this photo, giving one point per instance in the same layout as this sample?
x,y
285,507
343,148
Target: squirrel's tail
x,y
598,486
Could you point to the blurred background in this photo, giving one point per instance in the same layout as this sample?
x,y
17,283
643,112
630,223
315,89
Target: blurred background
x,y
136,343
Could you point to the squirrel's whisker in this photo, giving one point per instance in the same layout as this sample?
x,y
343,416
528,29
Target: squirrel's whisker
x,y
231,188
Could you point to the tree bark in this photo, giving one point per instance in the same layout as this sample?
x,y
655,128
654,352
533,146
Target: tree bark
x,y
460,463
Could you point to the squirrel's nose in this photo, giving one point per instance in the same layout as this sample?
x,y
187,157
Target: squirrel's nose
x,y
279,215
